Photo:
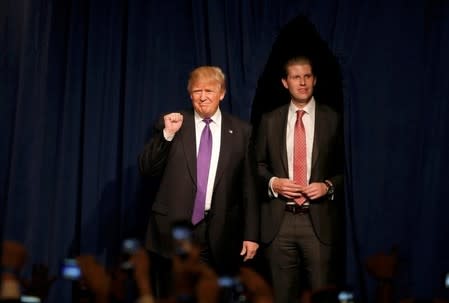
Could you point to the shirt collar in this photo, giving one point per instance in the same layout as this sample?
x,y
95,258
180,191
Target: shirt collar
x,y
216,118
309,108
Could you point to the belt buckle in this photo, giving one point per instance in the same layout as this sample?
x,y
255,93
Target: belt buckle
x,y
291,208
298,209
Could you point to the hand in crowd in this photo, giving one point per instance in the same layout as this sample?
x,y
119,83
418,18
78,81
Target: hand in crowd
x,y
105,286
118,281
257,289
95,277
192,278
141,265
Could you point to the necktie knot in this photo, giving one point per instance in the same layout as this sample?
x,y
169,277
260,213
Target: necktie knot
x,y
207,120
300,113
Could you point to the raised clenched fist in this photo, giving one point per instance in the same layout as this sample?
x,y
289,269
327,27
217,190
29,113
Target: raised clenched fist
x,y
173,122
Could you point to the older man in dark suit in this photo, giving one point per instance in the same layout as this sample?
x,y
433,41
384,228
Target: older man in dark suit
x,y
300,161
207,176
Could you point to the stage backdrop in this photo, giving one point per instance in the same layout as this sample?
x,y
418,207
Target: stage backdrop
x,y
81,83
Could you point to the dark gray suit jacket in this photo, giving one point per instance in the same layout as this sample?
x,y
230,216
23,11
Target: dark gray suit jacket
x,y
234,213
327,164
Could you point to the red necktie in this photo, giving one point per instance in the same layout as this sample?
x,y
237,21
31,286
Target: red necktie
x,y
300,155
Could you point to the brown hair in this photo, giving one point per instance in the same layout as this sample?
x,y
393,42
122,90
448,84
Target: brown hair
x,y
294,61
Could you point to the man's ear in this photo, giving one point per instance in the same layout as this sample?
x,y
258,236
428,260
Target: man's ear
x,y
223,93
284,82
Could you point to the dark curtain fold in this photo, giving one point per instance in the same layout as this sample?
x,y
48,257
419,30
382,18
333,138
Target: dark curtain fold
x,y
82,81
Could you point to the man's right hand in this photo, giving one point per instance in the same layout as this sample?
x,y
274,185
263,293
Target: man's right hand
x,y
287,188
172,123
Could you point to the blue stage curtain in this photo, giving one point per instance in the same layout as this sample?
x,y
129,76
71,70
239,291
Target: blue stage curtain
x,y
82,82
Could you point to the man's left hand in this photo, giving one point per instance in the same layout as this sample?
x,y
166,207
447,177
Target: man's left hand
x,y
315,190
249,249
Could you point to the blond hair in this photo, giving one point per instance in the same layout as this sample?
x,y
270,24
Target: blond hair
x,y
207,73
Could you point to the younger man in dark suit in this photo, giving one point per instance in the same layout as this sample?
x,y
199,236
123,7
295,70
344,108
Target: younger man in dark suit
x,y
300,162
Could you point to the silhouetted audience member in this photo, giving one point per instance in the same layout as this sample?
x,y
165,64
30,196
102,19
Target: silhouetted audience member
x,y
40,283
194,281
257,290
14,256
95,277
325,295
413,300
141,266
383,268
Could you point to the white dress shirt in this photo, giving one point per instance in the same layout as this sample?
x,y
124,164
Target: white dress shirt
x,y
215,128
308,120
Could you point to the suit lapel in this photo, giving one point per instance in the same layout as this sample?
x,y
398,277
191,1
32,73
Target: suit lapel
x,y
281,124
227,134
189,143
319,132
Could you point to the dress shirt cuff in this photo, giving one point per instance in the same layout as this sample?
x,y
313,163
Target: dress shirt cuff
x,y
167,136
271,192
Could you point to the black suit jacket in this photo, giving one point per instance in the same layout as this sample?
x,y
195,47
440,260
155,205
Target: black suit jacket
x,y
234,213
327,164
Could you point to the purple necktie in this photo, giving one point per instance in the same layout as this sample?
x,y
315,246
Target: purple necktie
x,y
202,172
